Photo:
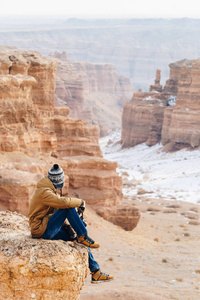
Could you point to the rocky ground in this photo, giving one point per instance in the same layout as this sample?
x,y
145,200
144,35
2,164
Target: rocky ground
x,y
157,260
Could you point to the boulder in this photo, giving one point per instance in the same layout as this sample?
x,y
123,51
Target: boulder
x,y
37,268
124,215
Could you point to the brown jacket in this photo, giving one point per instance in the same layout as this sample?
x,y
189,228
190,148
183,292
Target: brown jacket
x,y
44,203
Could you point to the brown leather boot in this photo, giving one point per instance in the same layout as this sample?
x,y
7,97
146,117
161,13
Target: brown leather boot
x,y
87,241
98,277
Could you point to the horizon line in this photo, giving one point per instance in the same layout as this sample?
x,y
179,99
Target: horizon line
x,y
87,17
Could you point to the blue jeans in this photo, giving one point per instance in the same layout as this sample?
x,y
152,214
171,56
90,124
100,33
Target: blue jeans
x,y
54,230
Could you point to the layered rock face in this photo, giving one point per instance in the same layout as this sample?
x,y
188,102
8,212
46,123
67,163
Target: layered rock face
x,y
134,46
122,214
36,268
143,116
94,92
34,135
182,124
142,122
171,114
69,88
26,85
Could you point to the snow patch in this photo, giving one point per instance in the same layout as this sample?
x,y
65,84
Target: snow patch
x,y
147,98
171,101
162,175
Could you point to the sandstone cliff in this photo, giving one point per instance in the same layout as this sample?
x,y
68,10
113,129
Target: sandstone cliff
x,y
142,121
170,114
182,123
38,269
142,117
94,92
34,135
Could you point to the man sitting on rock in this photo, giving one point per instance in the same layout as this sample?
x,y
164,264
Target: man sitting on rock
x,y
48,212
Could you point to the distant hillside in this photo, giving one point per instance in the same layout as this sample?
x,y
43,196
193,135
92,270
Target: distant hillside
x,y
137,47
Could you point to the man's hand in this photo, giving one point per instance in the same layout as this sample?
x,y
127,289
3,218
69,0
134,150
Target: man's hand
x,y
82,204
81,208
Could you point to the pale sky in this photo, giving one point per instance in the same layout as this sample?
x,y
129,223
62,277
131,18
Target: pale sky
x,y
103,8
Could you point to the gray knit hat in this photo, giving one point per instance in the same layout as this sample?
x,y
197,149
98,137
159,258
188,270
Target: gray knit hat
x,y
56,175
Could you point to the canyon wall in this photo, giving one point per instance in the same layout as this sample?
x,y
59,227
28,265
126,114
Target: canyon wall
x,y
136,47
170,114
142,121
33,268
34,135
143,116
182,124
93,92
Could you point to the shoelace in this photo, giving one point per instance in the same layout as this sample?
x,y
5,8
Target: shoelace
x,y
103,274
100,274
89,240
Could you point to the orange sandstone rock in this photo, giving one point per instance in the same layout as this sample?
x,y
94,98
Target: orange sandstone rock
x,y
142,121
142,117
34,135
184,124
157,86
125,215
94,92
155,116
36,268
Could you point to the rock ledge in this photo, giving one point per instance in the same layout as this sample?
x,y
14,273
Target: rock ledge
x,y
37,268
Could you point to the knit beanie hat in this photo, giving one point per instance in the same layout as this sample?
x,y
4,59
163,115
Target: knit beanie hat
x,y
56,175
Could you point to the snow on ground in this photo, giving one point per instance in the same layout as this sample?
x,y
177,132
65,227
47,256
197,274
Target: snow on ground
x,y
168,175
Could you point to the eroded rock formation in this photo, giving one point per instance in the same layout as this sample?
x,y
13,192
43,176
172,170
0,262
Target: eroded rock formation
x,y
36,268
182,123
27,87
142,117
125,214
157,86
142,121
34,135
170,115
94,92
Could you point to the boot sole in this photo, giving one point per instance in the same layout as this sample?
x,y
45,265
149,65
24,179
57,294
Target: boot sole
x,y
101,281
86,245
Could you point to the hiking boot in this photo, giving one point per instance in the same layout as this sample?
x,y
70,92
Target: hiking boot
x,y
87,241
98,277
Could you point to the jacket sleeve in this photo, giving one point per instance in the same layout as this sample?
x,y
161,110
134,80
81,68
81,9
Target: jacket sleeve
x,y
49,198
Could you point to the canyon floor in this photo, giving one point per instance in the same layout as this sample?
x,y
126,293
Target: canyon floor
x,y
157,260
160,258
